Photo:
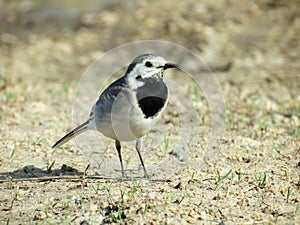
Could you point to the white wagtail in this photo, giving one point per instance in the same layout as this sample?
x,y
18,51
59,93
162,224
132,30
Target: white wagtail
x,y
130,106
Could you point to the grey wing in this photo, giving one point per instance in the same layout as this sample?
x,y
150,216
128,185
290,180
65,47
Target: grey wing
x,y
106,100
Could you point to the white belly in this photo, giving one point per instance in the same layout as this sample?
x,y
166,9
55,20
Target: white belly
x,y
127,127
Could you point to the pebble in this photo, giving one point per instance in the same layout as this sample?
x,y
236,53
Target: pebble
x,y
93,207
37,107
247,142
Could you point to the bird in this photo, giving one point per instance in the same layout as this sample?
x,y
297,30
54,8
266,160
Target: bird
x,y
129,107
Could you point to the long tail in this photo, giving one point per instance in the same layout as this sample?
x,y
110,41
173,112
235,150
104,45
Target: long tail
x,y
78,130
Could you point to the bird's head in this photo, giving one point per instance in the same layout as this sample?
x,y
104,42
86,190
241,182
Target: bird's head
x,y
147,66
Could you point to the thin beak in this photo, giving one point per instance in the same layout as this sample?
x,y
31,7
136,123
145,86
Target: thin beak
x,y
170,65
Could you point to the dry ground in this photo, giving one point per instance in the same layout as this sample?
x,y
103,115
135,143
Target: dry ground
x,y
253,48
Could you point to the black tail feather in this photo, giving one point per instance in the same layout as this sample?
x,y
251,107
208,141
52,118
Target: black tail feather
x,y
78,130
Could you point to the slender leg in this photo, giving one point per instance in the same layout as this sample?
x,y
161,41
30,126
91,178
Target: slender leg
x,y
138,147
118,147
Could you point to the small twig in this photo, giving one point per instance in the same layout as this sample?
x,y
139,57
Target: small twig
x,y
77,179
285,114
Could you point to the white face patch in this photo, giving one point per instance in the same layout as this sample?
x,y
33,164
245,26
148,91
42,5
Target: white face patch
x,y
149,67
133,83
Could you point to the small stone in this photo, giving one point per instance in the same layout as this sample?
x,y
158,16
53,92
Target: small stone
x,y
37,107
203,215
84,222
191,220
93,207
247,142
40,216
222,222
180,154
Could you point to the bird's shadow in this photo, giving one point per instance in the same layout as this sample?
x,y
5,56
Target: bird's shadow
x,y
30,172
68,173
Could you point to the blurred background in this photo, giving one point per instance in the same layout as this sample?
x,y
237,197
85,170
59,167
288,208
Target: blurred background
x,y
226,33
252,46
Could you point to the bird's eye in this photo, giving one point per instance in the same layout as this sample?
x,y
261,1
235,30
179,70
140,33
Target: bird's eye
x,y
148,64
